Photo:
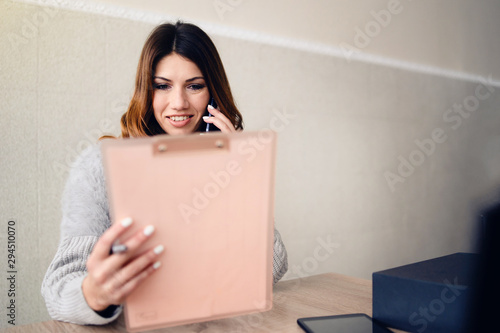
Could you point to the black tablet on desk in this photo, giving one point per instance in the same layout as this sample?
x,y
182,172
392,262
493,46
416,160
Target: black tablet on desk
x,y
350,323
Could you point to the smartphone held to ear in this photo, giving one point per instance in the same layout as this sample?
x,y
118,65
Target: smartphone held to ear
x,y
211,127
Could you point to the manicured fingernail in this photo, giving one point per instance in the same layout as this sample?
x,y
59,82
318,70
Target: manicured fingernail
x,y
158,249
205,117
149,230
210,107
127,222
156,265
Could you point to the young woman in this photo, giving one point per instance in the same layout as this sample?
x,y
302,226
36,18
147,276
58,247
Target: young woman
x,y
179,72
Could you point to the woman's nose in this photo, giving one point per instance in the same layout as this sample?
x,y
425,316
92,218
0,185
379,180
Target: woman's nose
x,y
179,100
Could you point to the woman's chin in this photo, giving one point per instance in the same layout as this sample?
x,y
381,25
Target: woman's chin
x,y
179,130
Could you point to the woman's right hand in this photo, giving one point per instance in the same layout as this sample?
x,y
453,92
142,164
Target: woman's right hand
x,y
111,277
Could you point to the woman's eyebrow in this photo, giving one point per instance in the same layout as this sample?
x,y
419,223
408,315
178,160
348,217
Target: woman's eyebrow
x,y
188,80
195,78
161,78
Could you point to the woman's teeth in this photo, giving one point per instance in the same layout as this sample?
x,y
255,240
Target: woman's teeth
x,y
179,118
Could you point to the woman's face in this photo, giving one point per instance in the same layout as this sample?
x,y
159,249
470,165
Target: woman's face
x,y
180,95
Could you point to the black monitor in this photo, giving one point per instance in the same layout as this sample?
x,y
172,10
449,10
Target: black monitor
x,y
484,305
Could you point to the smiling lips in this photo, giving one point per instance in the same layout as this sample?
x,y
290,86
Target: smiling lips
x,y
179,121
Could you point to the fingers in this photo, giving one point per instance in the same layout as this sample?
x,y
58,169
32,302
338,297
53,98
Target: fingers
x,y
219,120
131,284
111,280
100,295
103,245
146,262
130,276
102,265
132,244
135,241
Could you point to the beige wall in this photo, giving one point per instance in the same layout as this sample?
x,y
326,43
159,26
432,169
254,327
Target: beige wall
x,y
67,75
452,34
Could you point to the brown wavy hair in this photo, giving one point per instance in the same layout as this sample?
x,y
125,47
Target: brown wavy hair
x,y
192,43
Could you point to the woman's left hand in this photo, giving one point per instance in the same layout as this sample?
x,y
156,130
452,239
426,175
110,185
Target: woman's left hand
x,y
219,120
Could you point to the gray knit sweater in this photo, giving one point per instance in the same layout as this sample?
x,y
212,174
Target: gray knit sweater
x,y
85,217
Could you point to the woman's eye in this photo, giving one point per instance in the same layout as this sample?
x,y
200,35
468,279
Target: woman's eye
x,y
160,86
196,86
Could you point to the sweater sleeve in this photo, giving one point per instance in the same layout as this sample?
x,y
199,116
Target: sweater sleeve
x,y
84,218
62,286
280,258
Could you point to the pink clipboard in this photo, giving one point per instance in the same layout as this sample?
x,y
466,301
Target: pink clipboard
x,y
211,200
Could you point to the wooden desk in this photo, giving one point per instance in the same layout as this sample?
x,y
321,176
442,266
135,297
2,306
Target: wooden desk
x,y
319,295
